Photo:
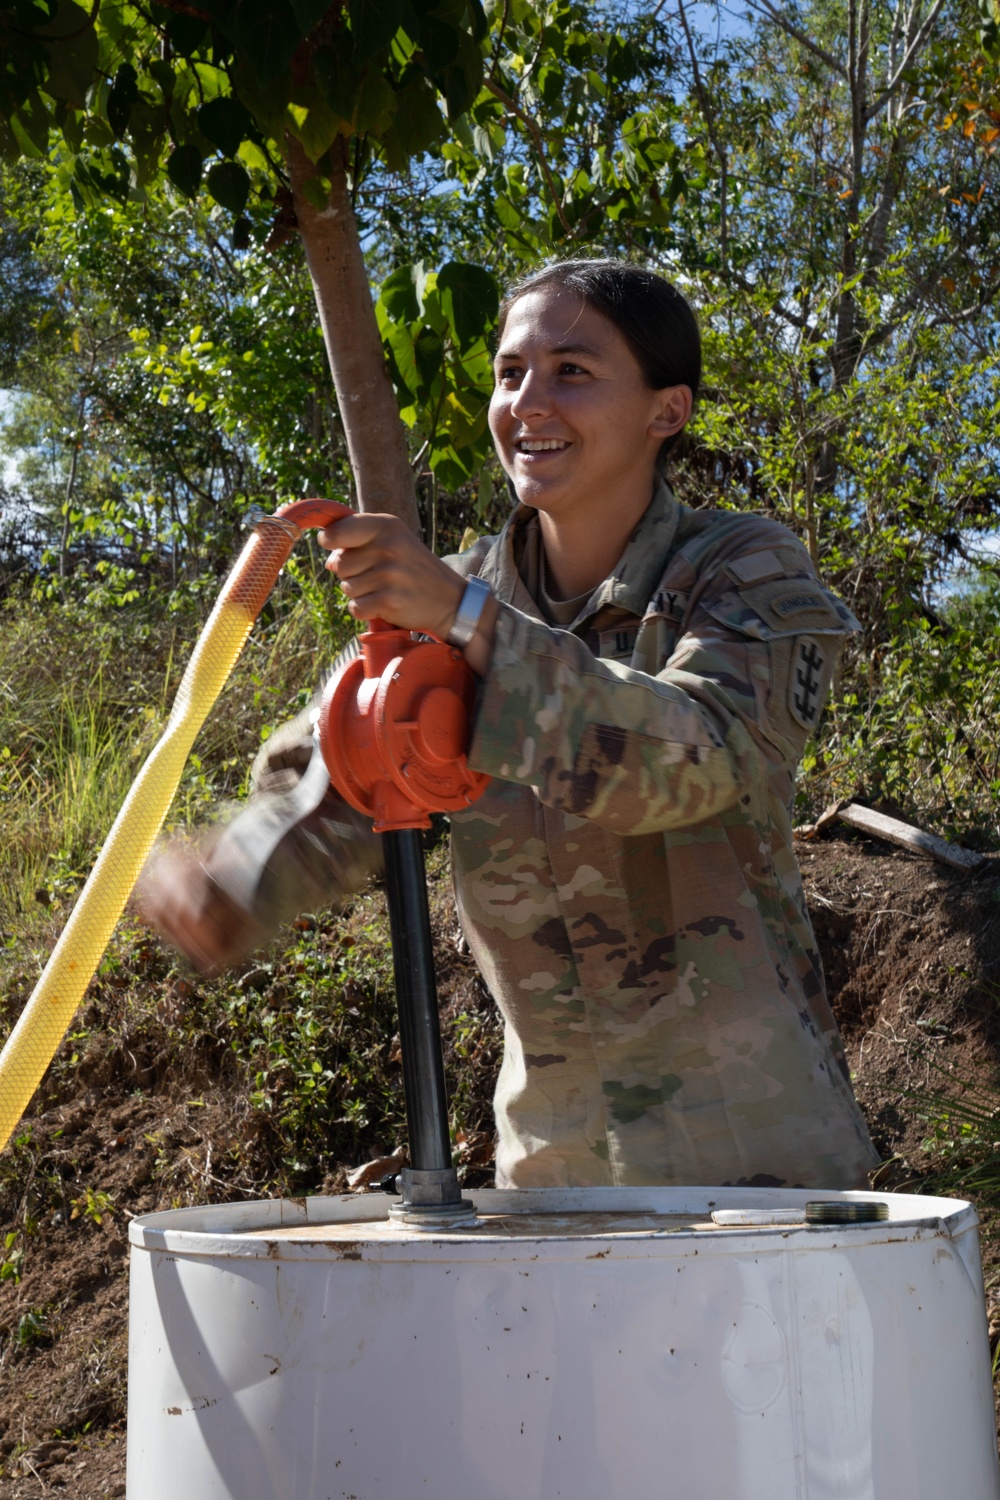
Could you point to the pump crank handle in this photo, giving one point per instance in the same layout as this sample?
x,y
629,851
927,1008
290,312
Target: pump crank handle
x,y
314,515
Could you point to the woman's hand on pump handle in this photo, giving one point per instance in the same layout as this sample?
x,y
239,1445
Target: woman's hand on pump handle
x,y
387,573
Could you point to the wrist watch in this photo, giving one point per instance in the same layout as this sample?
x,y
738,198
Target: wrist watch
x,y
468,614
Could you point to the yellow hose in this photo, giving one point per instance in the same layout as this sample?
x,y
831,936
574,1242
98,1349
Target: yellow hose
x,y
46,1017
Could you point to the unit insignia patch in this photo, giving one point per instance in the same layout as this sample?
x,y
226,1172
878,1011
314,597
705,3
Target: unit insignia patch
x,y
807,682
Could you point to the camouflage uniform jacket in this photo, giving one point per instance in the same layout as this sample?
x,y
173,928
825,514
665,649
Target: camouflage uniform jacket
x,y
627,883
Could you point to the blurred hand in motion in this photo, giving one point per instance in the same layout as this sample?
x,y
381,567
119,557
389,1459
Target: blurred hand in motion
x,y
181,901
293,846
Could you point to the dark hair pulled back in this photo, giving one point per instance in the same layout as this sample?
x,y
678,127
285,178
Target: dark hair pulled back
x,y
654,319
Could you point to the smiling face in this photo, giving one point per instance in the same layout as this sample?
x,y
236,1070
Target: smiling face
x,y
575,424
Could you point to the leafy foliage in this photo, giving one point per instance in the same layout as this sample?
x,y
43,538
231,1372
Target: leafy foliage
x,y
821,184
208,91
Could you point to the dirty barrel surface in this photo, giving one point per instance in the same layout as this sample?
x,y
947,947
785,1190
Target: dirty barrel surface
x,y
594,1344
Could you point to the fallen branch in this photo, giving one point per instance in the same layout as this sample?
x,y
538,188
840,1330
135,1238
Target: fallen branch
x,y
879,826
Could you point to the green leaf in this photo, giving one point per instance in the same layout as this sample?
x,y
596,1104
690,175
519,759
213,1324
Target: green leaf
x,y
25,138
439,42
470,299
164,75
399,296
267,34
71,43
374,23
375,104
428,349
550,85
106,172
226,123
124,92
417,123
314,123
184,169
267,102
452,466
480,22
317,191
186,34
506,212
334,72
308,13
229,184
460,82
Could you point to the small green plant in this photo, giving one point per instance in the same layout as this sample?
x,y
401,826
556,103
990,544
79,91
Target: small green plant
x,y
32,1328
13,1257
93,1205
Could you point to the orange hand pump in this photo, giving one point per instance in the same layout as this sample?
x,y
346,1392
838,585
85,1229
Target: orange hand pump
x,y
394,729
394,724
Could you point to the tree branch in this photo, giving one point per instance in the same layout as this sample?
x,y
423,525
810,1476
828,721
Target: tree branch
x,y
500,36
910,55
774,14
717,145
534,131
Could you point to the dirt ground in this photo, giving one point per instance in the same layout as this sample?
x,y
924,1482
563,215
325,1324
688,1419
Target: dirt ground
x,y
912,954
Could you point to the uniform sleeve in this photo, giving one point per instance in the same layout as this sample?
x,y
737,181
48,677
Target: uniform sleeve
x,y
637,752
295,845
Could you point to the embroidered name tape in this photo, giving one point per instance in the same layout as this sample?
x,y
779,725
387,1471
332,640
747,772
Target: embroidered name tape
x,y
670,603
618,644
797,604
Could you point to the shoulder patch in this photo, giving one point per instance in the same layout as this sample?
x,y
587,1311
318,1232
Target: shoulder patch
x,y
808,680
795,560
782,608
791,605
756,567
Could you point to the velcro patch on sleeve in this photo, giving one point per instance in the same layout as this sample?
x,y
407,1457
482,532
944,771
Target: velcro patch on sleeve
x,y
811,668
756,567
790,605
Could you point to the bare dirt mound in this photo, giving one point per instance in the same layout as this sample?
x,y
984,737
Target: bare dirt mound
x,y
912,952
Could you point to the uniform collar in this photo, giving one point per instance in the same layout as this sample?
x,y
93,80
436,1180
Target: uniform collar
x,y
630,584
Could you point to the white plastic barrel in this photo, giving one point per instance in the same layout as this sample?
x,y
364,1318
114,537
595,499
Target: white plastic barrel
x,y
595,1344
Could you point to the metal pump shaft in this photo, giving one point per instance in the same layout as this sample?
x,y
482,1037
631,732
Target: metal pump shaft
x,y
429,1188
394,729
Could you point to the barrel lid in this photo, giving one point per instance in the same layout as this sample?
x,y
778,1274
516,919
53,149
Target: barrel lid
x,y
553,1221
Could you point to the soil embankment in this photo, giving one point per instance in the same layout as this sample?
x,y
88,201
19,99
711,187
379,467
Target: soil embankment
x,y
912,953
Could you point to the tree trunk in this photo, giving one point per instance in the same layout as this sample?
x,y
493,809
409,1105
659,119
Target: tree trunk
x,y
376,437
68,499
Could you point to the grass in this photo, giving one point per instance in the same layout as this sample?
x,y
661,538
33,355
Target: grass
x,y
962,1146
82,702
305,1033
285,1072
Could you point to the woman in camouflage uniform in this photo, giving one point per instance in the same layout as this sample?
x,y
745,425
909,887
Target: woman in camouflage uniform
x,y
649,677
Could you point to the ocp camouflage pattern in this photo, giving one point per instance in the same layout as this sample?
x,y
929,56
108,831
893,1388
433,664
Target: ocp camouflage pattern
x,y
627,883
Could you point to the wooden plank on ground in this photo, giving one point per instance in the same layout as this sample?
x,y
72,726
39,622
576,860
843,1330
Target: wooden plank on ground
x,y
915,839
